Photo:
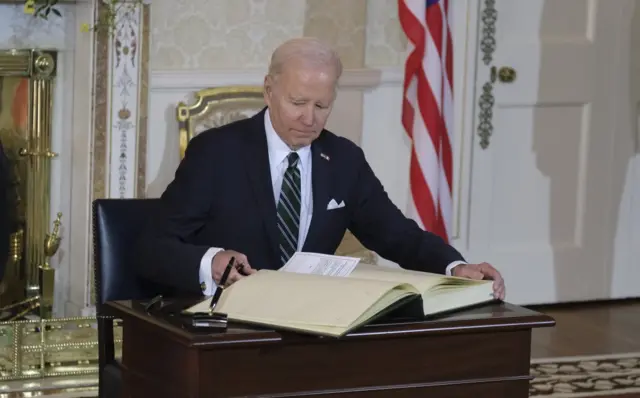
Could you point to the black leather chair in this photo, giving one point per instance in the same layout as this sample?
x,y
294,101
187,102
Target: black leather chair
x,y
117,224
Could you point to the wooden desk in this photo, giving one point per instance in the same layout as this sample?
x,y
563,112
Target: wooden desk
x,y
481,352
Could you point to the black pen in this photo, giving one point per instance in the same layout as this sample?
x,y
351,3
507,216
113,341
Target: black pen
x,y
223,280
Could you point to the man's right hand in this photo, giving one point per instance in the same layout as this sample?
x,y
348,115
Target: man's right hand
x,y
221,260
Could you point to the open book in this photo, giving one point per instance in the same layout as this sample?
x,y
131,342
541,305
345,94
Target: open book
x,y
335,304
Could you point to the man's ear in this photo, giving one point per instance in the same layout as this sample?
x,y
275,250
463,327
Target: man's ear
x,y
268,84
268,88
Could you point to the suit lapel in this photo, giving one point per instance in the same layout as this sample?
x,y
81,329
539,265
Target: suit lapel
x,y
320,177
259,174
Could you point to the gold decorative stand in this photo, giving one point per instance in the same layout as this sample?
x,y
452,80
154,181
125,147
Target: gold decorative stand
x,y
47,274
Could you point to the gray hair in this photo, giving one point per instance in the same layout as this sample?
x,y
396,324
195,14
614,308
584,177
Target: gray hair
x,y
309,50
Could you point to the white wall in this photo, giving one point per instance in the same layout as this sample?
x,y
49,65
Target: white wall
x,y
384,141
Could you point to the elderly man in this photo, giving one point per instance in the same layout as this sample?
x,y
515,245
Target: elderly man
x,y
262,188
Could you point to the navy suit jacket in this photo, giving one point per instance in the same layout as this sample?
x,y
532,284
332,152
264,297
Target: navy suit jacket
x,y
222,196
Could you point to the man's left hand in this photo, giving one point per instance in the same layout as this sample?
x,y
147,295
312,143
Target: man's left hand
x,y
482,271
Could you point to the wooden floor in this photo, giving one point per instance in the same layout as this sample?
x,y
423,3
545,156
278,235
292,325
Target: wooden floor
x,y
589,329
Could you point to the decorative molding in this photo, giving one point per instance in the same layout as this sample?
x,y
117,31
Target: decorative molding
x,y
488,40
488,47
392,76
125,90
101,53
143,104
485,116
121,102
168,80
120,109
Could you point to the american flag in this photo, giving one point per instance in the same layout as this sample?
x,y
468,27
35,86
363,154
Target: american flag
x,y
427,111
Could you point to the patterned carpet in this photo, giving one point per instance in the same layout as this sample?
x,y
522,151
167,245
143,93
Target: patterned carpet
x,y
603,376
594,376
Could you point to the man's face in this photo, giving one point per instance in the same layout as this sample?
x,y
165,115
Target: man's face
x,y
300,101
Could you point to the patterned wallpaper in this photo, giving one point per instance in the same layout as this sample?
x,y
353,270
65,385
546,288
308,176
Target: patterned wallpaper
x,y
342,24
222,34
386,42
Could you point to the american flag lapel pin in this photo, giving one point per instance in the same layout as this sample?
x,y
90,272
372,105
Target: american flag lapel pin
x,y
324,156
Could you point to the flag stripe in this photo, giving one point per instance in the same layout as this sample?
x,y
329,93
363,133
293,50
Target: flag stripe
x,y
427,110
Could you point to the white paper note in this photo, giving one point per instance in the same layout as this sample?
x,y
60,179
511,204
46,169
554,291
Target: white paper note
x,y
321,264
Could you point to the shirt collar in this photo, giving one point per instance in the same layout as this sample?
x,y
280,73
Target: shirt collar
x,y
278,150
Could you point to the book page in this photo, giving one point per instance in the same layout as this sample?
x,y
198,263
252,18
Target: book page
x,y
439,292
423,281
320,264
450,298
386,301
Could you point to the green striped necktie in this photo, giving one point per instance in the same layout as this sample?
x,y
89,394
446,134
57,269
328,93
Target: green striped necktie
x,y
289,209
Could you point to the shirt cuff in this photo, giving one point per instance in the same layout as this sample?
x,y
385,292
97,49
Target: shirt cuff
x,y
450,267
207,284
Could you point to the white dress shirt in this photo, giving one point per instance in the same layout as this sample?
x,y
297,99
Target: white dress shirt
x,y
278,152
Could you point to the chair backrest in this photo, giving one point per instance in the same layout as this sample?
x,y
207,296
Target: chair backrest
x,y
218,106
117,226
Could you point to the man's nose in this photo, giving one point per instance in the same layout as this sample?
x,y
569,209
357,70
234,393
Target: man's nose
x,y
308,116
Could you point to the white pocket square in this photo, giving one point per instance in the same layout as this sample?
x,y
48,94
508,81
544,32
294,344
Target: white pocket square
x,y
334,205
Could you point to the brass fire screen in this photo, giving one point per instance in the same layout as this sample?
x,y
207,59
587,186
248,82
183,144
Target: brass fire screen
x,y
26,96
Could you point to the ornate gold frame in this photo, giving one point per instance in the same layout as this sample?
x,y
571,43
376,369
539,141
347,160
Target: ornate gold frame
x,y
209,98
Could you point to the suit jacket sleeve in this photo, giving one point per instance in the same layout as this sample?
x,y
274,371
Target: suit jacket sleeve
x,y
167,255
382,227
